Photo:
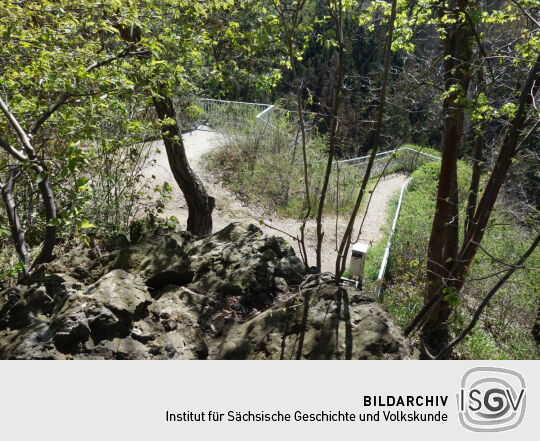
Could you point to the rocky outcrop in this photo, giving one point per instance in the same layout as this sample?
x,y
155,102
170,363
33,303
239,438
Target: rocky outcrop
x,y
235,294
324,323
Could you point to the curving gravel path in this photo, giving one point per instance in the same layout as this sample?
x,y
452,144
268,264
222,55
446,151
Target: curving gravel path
x,y
229,209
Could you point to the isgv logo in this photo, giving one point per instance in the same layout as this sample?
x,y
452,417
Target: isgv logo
x,y
491,399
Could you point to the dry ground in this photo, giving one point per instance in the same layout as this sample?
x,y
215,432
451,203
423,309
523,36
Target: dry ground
x,y
230,209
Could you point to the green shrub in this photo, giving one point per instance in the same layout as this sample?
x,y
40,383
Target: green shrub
x,y
504,330
264,166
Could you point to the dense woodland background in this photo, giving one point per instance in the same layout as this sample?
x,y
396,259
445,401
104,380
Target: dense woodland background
x,y
86,85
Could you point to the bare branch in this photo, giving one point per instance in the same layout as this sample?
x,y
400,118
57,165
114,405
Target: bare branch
x,y
486,300
526,13
23,137
12,150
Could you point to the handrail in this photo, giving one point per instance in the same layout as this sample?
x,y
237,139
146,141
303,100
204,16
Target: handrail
x,y
262,116
429,155
389,152
367,157
259,116
233,102
386,255
384,263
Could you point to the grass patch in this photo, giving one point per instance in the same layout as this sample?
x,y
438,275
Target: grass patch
x,y
375,253
504,331
264,166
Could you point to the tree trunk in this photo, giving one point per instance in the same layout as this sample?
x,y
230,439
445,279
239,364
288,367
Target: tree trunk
x,y
200,204
485,206
536,326
475,180
443,242
290,27
49,240
499,174
17,232
346,241
336,101
478,156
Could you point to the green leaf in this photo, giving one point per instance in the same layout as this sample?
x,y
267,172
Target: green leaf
x,y
40,177
452,299
86,224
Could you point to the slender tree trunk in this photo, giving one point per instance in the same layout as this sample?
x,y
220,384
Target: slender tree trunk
x,y
475,180
346,240
17,232
338,20
489,197
443,242
200,204
290,30
49,240
299,100
51,230
447,349
536,327
478,155
499,174
299,109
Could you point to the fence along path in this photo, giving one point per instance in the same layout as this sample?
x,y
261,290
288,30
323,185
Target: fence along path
x,y
402,158
382,160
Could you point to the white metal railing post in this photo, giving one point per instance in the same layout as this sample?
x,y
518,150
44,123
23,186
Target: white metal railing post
x,y
264,115
379,156
208,105
384,263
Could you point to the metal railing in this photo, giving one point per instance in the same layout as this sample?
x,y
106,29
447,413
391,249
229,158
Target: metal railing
x,y
403,158
390,161
384,263
223,112
218,112
386,255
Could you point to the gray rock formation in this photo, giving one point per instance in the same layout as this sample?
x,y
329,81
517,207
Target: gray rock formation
x,y
235,294
324,323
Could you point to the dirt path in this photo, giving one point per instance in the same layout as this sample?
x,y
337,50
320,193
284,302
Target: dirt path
x,y
229,209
